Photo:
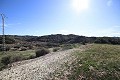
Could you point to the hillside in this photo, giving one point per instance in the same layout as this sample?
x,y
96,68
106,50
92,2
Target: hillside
x,y
59,38
39,68
87,62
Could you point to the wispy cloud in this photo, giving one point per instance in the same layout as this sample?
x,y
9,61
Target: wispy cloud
x,y
10,24
109,3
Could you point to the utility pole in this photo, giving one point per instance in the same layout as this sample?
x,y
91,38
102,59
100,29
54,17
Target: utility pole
x,y
3,34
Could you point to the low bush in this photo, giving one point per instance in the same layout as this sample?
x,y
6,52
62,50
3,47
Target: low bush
x,y
16,58
31,57
10,59
67,46
83,43
42,52
13,56
6,60
56,49
2,66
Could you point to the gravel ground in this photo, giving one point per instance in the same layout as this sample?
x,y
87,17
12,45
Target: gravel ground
x,y
38,68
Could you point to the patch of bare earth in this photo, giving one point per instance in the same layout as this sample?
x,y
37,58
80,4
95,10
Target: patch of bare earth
x,y
39,68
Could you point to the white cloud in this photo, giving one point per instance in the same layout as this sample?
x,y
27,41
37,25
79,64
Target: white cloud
x,y
109,3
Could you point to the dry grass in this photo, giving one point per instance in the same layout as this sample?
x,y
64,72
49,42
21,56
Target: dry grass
x,y
14,56
99,62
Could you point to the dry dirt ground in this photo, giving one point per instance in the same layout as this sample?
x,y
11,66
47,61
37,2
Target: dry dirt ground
x,y
38,68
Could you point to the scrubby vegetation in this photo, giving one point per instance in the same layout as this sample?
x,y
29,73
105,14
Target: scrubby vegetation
x,y
108,40
56,49
7,48
5,60
42,52
9,40
99,62
56,40
14,56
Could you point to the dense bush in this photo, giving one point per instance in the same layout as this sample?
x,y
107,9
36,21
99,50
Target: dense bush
x,y
2,66
83,43
11,58
6,60
108,40
31,57
41,52
56,49
16,58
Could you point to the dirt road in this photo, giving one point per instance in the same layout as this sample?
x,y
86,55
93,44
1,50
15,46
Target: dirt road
x,y
37,69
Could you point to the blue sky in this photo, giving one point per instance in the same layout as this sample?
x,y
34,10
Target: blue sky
x,y
44,17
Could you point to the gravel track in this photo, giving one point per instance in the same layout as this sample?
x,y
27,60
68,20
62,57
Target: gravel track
x,y
38,68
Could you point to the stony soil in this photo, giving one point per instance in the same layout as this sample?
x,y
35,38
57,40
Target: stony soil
x,y
38,68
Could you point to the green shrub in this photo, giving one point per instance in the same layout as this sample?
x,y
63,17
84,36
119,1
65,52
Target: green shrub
x,y
42,52
10,59
16,58
83,43
56,49
6,60
2,66
31,57
67,46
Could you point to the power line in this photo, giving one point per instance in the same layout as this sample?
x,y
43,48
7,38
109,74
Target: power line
x,y
3,32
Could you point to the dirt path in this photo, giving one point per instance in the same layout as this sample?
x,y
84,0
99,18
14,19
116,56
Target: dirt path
x,y
38,68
